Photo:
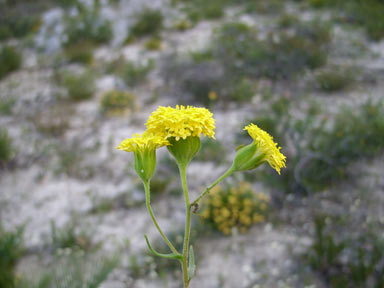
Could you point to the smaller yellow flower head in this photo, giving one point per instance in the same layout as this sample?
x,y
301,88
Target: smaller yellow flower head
x,y
139,143
144,149
267,146
181,122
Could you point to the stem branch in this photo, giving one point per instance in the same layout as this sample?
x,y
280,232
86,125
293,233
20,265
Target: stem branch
x,y
148,202
221,178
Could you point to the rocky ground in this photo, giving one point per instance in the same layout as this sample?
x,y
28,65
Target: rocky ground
x,y
66,179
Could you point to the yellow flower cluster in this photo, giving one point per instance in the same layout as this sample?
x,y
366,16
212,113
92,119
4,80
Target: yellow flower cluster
x,y
139,143
267,146
167,122
181,122
240,207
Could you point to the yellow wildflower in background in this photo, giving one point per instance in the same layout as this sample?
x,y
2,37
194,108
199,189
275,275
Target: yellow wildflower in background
x,y
267,147
142,142
181,122
237,206
212,95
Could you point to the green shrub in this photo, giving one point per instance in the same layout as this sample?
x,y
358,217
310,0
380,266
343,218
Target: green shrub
x,y
80,87
153,44
74,269
15,23
10,60
241,91
132,73
117,102
70,237
6,106
288,20
229,207
6,149
368,14
67,3
195,81
237,46
264,7
148,22
87,27
197,10
347,262
80,52
11,250
355,134
334,79
201,56
182,25
103,205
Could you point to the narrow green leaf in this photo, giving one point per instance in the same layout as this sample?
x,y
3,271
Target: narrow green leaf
x,y
191,264
167,256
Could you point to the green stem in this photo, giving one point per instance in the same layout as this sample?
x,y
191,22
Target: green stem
x,y
183,176
148,202
221,178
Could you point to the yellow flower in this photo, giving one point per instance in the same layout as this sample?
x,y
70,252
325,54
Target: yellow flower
x,y
144,149
225,213
181,122
262,197
212,95
257,218
142,142
265,146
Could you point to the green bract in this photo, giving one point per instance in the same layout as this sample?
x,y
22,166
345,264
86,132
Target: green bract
x,y
248,158
145,164
184,149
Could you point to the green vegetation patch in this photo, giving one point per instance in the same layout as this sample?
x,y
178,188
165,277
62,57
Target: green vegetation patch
x,y
19,19
348,261
6,149
81,52
148,22
74,269
87,27
70,237
10,60
79,86
334,79
367,13
281,55
6,105
11,250
117,102
132,73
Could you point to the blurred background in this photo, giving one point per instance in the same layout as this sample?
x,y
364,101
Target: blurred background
x,y
79,76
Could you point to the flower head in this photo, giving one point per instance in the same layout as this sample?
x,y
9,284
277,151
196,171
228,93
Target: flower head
x,y
142,142
144,148
266,146
181,122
